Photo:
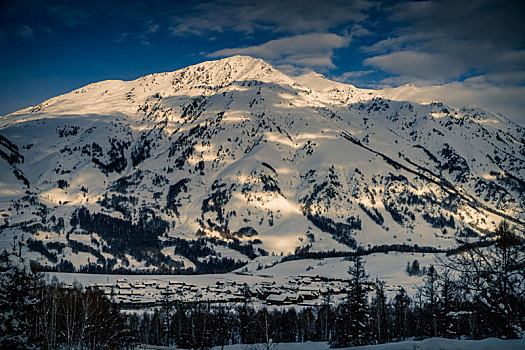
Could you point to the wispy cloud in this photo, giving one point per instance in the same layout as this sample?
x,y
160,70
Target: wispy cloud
x,y
348,77
306,50
460,52
420,65
247,16
152,28
25,32
435,45
476,91
440,41
70,14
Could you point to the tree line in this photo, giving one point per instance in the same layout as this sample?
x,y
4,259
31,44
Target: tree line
x,y
476,293
40,314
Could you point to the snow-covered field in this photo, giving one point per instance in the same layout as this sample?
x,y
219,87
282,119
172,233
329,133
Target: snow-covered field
x,y
289,277
427,344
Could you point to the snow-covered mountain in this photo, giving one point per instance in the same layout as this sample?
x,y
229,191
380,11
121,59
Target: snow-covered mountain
x,y
234,159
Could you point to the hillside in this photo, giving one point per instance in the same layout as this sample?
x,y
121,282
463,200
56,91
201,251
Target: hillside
x,y
212,165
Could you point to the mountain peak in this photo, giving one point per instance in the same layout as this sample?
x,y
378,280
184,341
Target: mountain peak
x,y
238,156
241,67
241,59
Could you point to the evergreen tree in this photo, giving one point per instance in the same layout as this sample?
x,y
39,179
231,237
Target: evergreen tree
x,y
288,327
430,291
380,314
419,316
17,300
167,308
246,320
223,326
401,314
307,320
353,321
448,296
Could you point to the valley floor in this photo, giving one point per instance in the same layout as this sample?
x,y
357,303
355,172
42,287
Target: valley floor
x,y
264,273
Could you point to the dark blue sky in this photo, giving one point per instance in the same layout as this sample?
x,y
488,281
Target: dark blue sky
x,y
461,52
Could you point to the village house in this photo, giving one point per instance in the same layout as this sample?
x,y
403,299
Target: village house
x,y
308,295
123,285
276,299
283,299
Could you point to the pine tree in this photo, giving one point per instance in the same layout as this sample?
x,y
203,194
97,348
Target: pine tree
x,y
246,320
17,300
223,326
379,313
401,315
353,320
307,319
448,296
167,309
430,291
289,326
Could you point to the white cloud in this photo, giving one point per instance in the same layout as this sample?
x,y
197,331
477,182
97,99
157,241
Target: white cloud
x,y
292,16
152,28
418,65
476,91
507,78
358,30
392,44
122,37
442,40
348,76
437,45
25,32
306,50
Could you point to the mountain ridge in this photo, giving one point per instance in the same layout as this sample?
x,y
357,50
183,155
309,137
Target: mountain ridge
x,y
238,159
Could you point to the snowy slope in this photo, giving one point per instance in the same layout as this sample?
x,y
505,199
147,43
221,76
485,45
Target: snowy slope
x,y
240,160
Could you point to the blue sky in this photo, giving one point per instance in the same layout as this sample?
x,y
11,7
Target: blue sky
x,y
460,52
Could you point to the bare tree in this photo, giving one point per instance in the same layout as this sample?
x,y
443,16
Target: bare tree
x,y
495,275
265,327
